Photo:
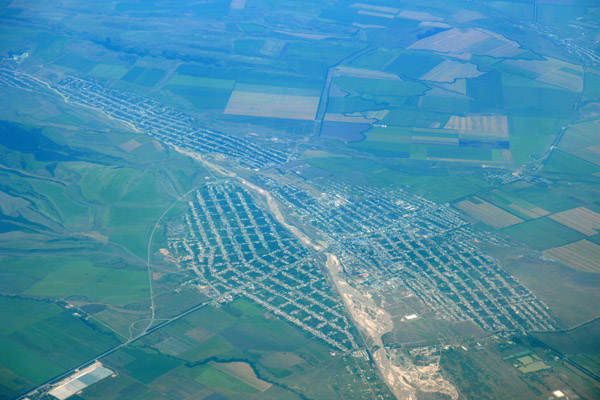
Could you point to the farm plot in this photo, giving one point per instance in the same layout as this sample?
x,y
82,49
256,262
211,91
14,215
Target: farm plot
x,y
551,71
582,255
449,71
473,41
480,127
272,104
488,213
418,16
345,128
110,71
496,125
243,372
383,9
582,141
580,219
515,205
365,73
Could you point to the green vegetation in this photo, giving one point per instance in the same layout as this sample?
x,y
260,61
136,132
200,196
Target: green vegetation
x,y
81,194
76,62
147,77
543,233
579,344
237,332
110,71
40,340
563,163
68,278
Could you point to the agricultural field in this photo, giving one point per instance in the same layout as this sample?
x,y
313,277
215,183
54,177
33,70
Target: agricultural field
x,y
327,200
449,71
488,213
579,344
471,41
580,219
581,141
271,360
271,102
42,339
87,268
582,255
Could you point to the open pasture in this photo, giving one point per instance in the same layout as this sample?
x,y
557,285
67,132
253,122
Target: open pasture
x,y
488,213
582,255
580,219
450,70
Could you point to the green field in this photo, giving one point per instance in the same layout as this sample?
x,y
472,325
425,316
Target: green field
x,y
278,353
566,164
110,71
40,340
543,233
87,245
580,344
79,278
147,77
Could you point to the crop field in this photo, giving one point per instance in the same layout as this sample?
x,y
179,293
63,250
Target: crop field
x,y
371,125
110,71
543,233
551,71
76,62
243,372
344,131
531,135
582,255
365,73
231,357
516,205
200,82
446,101
560,162
476,41
481,126
39,340
379,87
581,140
580,219
272,105
581,344
147,77
460,154
383,9
591,89
418,16
488,213
449,71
